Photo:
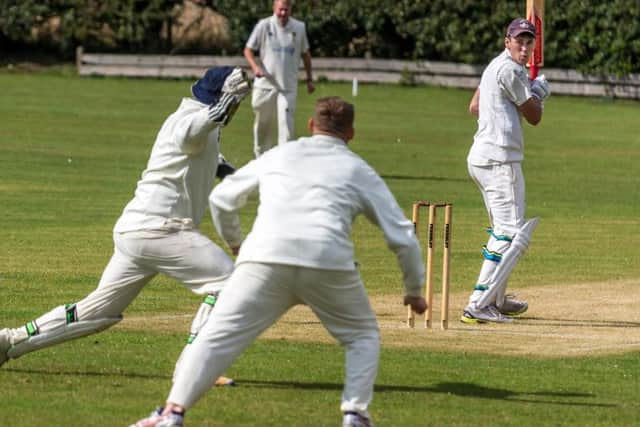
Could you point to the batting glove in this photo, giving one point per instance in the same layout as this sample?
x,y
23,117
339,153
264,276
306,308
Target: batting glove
x,y
237,83
540,87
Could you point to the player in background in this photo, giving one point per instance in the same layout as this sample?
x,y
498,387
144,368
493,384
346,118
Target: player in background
x,y
504,96
280,40
158,229
299,251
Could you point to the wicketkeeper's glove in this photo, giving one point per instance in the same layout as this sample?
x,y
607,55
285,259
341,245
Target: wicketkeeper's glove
x,y
540,87
237,83
235,88
224,167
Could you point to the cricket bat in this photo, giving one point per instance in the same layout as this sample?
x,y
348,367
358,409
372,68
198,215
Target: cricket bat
x,y
535,15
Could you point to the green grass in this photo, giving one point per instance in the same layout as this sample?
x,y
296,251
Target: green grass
x,y
73,148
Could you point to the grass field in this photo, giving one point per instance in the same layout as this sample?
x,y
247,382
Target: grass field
x,y
73,148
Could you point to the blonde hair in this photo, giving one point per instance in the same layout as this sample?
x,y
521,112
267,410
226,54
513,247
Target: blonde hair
x,y
333,115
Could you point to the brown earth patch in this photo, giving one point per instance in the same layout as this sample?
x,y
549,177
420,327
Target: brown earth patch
x,y
562,321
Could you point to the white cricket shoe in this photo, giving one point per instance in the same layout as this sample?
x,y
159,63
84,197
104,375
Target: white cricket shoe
x,y
5,345
353,419
513,306
156,419
490,313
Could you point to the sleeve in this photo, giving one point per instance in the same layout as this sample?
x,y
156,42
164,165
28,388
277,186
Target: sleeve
x,y
381,208
228,197
191,131
255,39
305,40
514,83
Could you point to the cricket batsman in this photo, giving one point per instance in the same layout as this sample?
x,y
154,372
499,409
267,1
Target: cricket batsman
x,y
504,96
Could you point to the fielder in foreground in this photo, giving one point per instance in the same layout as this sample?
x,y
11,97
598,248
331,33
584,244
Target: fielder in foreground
x,y
157,232
504,96
300,252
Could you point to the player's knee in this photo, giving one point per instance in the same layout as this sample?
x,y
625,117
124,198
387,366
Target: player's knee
x,y
496,246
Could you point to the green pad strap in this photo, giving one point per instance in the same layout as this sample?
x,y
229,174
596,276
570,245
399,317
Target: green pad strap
x,y
32,329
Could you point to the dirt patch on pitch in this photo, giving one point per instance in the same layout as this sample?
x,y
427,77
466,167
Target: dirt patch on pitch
x,y
562,321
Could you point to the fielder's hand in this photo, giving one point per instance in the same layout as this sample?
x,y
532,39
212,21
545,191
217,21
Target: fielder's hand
x,y
418,304
540,87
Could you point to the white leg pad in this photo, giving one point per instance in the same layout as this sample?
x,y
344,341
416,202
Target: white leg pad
x,y
497,285
60,332
198,322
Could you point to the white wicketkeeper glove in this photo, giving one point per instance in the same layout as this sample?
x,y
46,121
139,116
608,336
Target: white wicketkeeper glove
x,y
237,83
222,111
540,87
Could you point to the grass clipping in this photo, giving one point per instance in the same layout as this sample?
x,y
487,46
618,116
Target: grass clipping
x,y
562,321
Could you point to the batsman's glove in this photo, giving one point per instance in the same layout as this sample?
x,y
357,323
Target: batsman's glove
x,y
540,87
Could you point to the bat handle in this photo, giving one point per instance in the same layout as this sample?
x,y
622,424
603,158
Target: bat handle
x,y
533,71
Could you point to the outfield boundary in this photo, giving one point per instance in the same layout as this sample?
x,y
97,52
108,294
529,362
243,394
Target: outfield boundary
x,y
445,74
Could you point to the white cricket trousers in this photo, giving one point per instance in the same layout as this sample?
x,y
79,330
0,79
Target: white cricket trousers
x,y
255,297
274,113
503,191
502,188
185,255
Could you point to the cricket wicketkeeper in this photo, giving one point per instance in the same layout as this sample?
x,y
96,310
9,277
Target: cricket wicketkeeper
x,y
158,230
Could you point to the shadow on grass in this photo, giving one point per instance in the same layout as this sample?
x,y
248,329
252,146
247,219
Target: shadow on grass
x,y
590,323
423,178
455,389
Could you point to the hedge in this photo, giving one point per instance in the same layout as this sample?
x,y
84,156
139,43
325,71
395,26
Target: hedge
x,y
589,35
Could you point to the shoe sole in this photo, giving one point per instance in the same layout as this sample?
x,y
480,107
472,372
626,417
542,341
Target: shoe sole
x,y
471,320
513,313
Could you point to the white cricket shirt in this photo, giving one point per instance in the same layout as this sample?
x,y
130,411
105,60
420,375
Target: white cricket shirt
x,y
179,174
280,51
311,190
504,86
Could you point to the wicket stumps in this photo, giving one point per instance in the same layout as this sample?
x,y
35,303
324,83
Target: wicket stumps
x,y
444,311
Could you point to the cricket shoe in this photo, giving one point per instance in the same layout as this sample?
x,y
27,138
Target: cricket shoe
x,y
224,381
513,306
156,419
353,419
5,345
490,313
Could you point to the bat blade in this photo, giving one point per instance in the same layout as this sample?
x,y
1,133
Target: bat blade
x,y
535,14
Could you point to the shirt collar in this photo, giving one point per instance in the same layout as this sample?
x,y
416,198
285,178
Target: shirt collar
x,y
330,139
277,22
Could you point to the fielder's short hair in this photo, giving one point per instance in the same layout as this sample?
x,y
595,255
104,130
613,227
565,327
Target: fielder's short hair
x,y
333,115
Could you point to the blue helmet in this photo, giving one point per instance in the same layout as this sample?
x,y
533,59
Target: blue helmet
x,y
207,90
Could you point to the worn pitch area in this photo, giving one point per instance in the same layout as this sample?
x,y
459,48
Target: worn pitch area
x,y
562,321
